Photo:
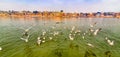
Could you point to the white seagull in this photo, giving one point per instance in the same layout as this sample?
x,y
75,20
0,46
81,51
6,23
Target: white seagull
x,y
70,37
43,41
89,44
111,43
77,31
38,41
92,25
56,33
91,30
0,48
44,32
26,30
25,35
96,31
50,38
44,38
73,28
83,37
25,39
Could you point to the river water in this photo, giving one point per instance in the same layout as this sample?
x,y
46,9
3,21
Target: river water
x,y
11,30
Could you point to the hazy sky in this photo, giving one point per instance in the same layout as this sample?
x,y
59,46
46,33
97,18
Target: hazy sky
x,y
66,5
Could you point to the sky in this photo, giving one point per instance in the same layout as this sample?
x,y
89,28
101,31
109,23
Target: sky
x,y
66,5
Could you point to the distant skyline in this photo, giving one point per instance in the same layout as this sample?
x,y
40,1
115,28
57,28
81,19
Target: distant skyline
x,y
66,5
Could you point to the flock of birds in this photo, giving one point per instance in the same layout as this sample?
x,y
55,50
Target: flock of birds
x,y
25,36
95,32
40,40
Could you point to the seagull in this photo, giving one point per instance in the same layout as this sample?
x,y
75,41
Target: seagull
x,y
84,33
56,33
0,48
91,30
73,28
83,37
38,38
77,31
44,38
25,39
92,25
43,33
38,41
43,41
106,38
26,30
96,31
71,38
89,44
25,35
111,43
50,38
